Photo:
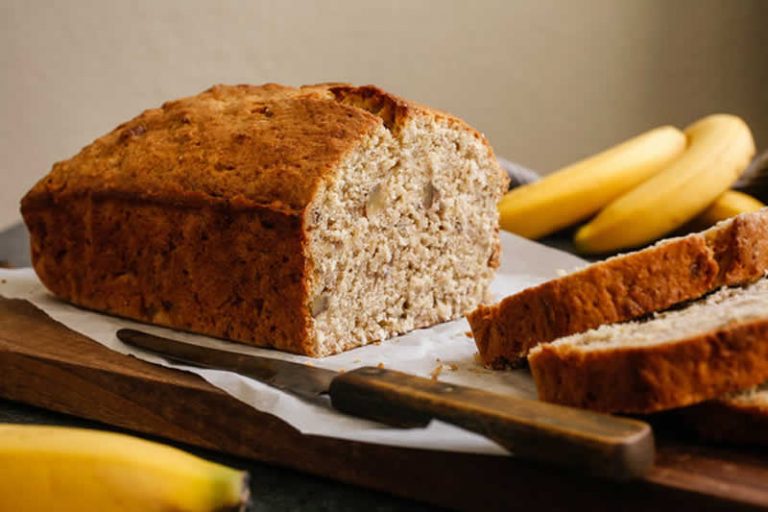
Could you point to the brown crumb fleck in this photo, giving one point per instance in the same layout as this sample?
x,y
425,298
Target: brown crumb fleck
x,y
3,281
380,365
453,366
469,334
436,372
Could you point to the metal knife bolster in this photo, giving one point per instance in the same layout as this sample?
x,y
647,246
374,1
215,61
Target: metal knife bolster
x,y
590,442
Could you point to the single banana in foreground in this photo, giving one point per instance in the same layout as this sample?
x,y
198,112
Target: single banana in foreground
x,y
70,469
720,147
729,204
578,191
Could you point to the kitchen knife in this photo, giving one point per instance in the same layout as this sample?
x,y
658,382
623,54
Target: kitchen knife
x,y
598,444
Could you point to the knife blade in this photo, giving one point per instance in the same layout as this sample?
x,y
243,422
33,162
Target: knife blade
x,y
307,382
595,443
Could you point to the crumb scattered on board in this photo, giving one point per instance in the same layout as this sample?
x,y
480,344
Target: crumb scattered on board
x,y
380,365
440,367
469,334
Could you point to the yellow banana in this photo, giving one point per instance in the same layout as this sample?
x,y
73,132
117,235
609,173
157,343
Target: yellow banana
x,y
719,148
729,204
578,191
69,469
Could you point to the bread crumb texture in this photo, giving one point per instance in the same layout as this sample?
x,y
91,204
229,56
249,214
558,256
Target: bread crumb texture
x,y
310,219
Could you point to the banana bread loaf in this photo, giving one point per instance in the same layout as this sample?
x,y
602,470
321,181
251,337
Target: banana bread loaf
x,y
311,220
621,288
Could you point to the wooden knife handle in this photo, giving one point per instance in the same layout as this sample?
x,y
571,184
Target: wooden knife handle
x,y
599,444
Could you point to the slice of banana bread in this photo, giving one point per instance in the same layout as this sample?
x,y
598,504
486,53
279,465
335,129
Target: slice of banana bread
x,y
711,347
622,288
312,219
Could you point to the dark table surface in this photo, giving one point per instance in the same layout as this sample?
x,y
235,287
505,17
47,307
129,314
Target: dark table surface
x,y
272,488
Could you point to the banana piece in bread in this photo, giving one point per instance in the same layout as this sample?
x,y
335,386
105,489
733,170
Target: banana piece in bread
x,y
311,220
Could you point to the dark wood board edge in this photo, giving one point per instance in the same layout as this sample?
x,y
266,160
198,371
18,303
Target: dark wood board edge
x,y
45,364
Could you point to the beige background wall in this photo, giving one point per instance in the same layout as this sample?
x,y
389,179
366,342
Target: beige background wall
x,y
547,81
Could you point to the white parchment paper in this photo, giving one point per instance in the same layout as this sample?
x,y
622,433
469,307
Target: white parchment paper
x,y
443,350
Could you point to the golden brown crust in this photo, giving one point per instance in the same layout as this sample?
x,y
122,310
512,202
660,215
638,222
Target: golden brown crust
x,y
622,288
643,379
394,110
251,146
165,265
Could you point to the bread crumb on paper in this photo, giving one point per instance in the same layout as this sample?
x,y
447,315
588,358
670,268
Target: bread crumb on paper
x,y
469,334
440,367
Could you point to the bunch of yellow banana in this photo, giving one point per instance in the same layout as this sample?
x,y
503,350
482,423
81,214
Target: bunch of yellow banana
x,y
69,469
578,191
641,189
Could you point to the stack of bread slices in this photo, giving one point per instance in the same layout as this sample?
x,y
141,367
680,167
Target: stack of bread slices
x,y
680,323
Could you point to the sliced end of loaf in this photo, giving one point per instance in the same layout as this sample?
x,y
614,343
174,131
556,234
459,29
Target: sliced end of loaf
x,y
405,235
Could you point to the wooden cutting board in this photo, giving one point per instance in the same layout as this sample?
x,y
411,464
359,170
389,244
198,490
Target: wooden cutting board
x,y
45,364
